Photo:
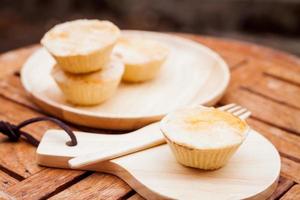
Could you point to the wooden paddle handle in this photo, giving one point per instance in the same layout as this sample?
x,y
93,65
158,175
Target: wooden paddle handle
x,y
141,139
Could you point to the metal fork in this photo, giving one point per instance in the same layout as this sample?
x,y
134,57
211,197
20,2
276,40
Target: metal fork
x,y
156,139
236,110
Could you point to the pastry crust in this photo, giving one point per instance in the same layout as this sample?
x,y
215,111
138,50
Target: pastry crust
x,y
91,88
143,58
203,137
81,46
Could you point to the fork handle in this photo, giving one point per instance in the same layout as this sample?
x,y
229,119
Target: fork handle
x,y
141,139
97,157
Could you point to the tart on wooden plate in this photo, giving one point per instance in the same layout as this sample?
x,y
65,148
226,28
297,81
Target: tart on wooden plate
x,y
143,58
91,88
81,46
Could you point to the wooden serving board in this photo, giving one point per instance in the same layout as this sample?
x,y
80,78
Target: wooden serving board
x,y
252,172
192,74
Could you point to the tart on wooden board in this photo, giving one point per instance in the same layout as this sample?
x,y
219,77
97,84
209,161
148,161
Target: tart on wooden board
x,y
203,137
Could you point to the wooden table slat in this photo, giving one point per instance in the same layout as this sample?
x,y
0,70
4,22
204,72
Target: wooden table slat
x,y
20,158
290,169
136,197
293,193
12,89
233,60
284,185
42,184
250,50
266,110
292,75
96,186
11,61
6,181
277,90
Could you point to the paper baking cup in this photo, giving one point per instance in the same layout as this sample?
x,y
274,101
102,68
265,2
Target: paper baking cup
x,y
86,94
91,62
207,159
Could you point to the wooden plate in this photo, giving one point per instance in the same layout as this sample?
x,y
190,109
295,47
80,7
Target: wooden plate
x,y
192,74
251,173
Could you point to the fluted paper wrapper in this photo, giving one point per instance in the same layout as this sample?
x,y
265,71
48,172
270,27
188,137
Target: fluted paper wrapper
x,y
81,64
86,94
207,159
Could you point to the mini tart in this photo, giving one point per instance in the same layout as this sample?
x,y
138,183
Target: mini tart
x,y
92,88
202,137
142,58
81,46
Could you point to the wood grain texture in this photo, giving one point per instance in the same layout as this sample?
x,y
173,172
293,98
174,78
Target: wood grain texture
x,y
277,90
12,89
249,50
234,60
22,155
273,113
136,197
12,61
293,193
22,159
247,62
291,76
290,169
115,145
247,73
96,186
284,185
42,184
6,181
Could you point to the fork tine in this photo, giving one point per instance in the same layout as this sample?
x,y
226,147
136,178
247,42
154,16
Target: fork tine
x,y
245,115
239,111
236,110
226,107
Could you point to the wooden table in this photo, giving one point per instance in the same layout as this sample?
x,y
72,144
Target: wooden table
x,y
265,81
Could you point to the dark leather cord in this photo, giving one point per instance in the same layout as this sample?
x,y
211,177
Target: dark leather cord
x,y
13,132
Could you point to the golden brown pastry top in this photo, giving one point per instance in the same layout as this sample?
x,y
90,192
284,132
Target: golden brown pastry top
x,y
80,37
203,127
137,50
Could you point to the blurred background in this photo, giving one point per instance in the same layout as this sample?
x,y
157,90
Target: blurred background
x,y
274,23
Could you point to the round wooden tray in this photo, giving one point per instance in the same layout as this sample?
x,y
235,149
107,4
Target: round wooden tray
x,y
192,74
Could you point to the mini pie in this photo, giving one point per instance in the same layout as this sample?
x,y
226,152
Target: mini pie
x,y
202,137
91,88
81,46
142,58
